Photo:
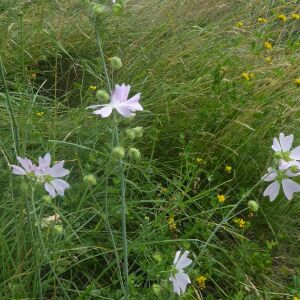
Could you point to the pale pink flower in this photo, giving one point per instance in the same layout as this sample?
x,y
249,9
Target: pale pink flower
x,y
27,167
52,184
180,279
119,101
280,177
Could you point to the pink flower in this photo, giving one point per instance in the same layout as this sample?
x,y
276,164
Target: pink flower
x,y
119,101
52,184
43,173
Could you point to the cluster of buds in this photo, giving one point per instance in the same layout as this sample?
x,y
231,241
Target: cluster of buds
x,y
287,166
118,7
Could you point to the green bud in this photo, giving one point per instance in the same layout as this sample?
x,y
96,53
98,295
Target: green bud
x,y
131,133
99,9
138,131
134,153
117,9
58,229
157,257
294,169
253,205
47,199
278,155
24,187
90,179
102,95
157,290
118,152
116,63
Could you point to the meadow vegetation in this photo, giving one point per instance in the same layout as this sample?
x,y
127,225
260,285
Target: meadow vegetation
x,y
219,79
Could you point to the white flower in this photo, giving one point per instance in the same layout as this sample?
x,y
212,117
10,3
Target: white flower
x,y
180,279
119,101
282,148
282,176
28,167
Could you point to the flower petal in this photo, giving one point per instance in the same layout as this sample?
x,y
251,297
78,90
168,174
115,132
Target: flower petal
x,y
295,153
26,164
271,176
18,170
124,110
183,261
182,280
290,187
104,112
60,186
276,146
50,189
177,255
272,190
176,287
120,94
58,170
286,142
45,162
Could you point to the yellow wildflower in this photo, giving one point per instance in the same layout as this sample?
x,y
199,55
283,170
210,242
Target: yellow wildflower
x,y
228,168
268,45
201,281
199,160
163,189
40,114
92,87
246,76
268,59
172,224
221,198
297,81
252,75
282,18
240,222
239,24
296,298
296,16
262,20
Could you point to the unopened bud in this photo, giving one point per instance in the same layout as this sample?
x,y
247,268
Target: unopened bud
x,y
58,229
157,257
138,131
253,205
118,152
278,155
131,134
116,63
99,9
117,9
47,199
134,153
294,169
102,95
157,290
90,179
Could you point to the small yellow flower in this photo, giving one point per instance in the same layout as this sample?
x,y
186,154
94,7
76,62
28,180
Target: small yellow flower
x,y
246,76
252,75
40,114
239,24
172,224
228,168
201,280
268,45
33,76
296,298
268,59
296,16
240,222
92,87
221,198
262,20
199,160
297,81
282,18
163,189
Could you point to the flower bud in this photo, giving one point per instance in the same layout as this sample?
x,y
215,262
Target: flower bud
x,y
131,134
138,131
90,179
47,199
24,187
278,155
116,63
102,95
157,290
157,257
294,169
134,153
253,205
58,229
99,10
118,152
117,9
